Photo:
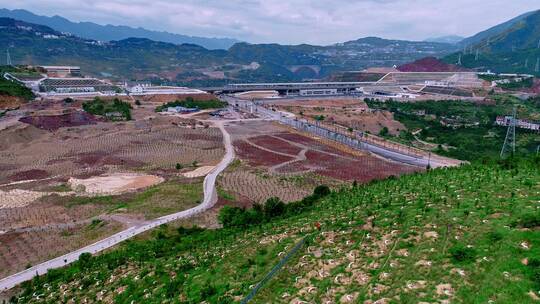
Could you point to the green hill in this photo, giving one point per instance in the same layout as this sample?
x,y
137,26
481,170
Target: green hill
x,y
516,49
12,88
467,235
495,30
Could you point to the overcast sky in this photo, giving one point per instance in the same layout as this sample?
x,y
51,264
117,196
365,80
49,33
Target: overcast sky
x,y
291,21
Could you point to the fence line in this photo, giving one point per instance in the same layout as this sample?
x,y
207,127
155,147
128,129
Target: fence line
x,y
273,272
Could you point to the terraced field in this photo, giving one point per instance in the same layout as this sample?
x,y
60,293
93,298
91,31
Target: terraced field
x,y
463,235
31,153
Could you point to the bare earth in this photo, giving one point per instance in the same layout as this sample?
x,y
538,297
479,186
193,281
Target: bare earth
x,y
116,183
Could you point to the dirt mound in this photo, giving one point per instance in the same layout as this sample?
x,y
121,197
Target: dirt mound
x,y
19,134
55,122
115,183
29,175
10,102
430,64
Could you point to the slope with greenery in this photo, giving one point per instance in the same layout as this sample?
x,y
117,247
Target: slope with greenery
x,y
12,88
512,48
466,129
115,110
189,102
466,234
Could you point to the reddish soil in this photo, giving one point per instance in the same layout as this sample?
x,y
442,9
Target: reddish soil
x,y
275,144
257,157
362,169
310,143
28,175
55,122
430,64
103,158
201,137
10,102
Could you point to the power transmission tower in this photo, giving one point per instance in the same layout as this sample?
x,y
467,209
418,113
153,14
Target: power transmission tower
x,y
539,43
8,58
510,140
477,55
527,63
459,60
537,67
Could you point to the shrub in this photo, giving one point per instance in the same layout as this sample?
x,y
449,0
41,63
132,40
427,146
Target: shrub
x,y
102,108
461,253
321,191
533,268
384,132
530,220
273,207
189,102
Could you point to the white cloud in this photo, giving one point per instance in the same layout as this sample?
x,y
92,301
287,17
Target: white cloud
x,y
291,21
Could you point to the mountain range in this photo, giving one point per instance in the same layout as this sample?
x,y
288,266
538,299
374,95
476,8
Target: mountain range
x,y
190,64
512,46
90,30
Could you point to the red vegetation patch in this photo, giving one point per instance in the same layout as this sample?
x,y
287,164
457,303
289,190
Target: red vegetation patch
x,y
103,158
258,157
362,169
275,144
29,175
191,136
310,143
55,122
430,64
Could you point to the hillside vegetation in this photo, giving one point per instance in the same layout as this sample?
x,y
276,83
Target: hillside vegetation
x,y
466,235
11,88
464,130
512,47
189,102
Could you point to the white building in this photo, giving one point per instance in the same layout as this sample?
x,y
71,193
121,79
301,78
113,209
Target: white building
x,y
156,90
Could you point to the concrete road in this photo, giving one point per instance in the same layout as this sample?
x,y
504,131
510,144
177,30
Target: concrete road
x,y
210,199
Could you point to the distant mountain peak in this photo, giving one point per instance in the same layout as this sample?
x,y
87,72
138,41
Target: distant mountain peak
x,y
90,30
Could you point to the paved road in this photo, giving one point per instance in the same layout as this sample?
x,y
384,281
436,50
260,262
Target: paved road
x,y
210,199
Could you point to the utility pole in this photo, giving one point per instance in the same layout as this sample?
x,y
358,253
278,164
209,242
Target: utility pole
x,y
8,58
510,140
